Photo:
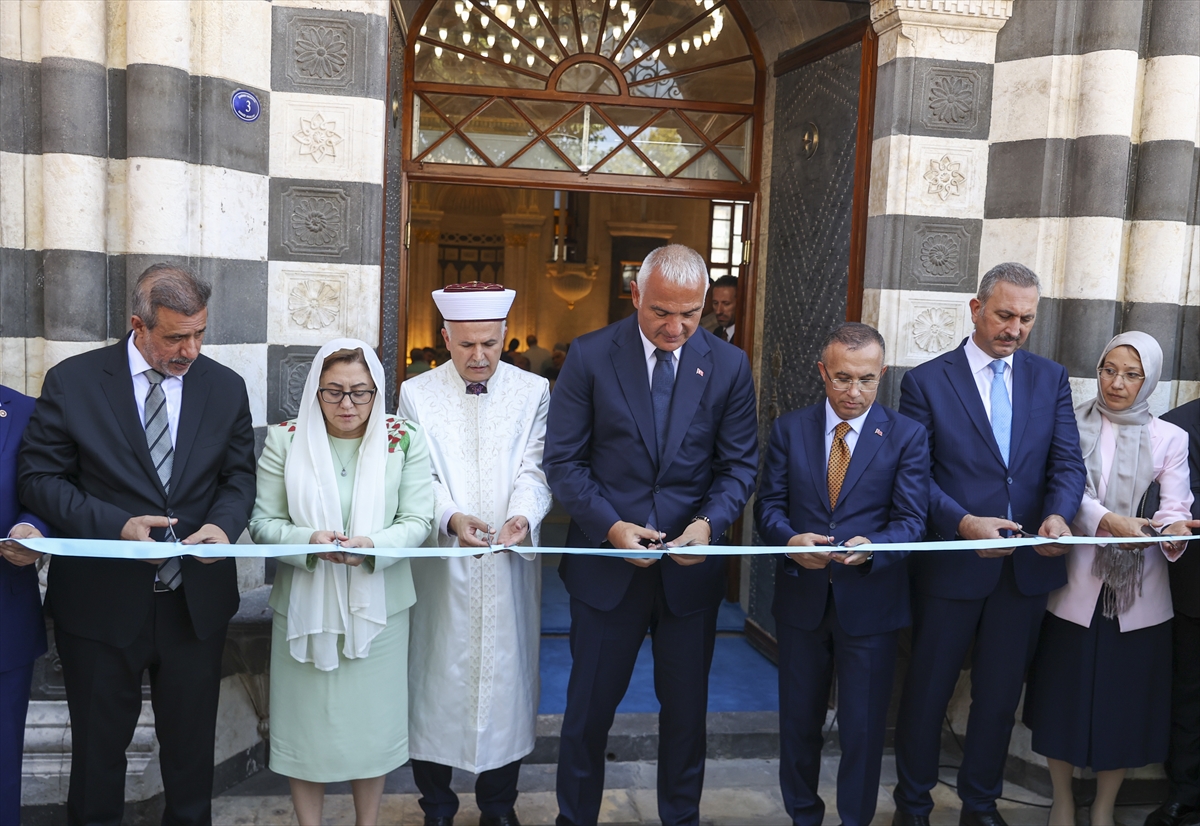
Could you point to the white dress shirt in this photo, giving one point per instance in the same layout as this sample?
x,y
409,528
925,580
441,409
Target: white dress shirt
x,y
172,387
832,420
981,369
651,359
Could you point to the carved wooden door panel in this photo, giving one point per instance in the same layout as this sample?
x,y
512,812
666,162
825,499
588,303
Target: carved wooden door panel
x,y
808,253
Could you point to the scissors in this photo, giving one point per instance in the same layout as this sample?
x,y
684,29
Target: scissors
x,y
170,536
337,543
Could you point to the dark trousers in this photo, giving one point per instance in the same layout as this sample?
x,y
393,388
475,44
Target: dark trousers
x,y
1004,629
104,696
1183,760
495,789
865,667
14,703
604,647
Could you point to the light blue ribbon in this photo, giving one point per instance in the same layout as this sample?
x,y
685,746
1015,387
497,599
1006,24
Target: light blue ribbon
x,y
123,549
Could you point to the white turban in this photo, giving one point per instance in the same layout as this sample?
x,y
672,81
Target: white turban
x,y
474,301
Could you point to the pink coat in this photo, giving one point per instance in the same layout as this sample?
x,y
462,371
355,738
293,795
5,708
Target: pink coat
x,y
1076,601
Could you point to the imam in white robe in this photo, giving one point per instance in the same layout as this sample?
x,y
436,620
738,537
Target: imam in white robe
x,y
476,625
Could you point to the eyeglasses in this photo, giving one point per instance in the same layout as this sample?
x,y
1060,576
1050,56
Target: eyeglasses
x,y
331,395
865,385
1108,374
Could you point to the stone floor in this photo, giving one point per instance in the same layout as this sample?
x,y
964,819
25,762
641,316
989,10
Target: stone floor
x,y
737,793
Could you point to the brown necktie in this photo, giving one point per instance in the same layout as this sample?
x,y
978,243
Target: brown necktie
x,y
839,460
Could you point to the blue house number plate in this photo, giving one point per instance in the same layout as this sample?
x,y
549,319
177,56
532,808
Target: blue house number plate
x,y
245,105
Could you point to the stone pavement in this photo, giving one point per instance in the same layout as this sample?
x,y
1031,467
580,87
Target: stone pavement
x,y
737,793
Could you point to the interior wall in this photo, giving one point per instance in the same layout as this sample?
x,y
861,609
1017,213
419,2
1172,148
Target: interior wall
x,y
538,310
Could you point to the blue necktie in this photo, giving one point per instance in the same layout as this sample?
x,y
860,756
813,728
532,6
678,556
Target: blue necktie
x,y
1001,409
661,386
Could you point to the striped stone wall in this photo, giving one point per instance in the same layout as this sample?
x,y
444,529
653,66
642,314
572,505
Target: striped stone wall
x,y
119,148
1092,179
1066,141
929,173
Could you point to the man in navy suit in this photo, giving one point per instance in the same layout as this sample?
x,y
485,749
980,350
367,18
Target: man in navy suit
x,y
652,436
1005,455
846,472
23,638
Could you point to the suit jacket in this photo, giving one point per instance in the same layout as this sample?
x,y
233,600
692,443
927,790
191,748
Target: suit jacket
x,y
884,497
20,599
86,469
601,457
1185,572
1045,474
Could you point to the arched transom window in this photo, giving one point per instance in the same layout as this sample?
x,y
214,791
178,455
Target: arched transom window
x,y
661,89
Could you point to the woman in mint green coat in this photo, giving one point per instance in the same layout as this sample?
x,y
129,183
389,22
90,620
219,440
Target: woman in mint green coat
x,y
347,477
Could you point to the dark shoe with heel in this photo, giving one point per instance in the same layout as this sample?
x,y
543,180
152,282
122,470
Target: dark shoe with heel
x,y
439,821
906,819
981,819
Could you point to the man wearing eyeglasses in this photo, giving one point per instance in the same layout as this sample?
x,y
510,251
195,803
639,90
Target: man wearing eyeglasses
x,y
473,684
1005,458
146,440
840,475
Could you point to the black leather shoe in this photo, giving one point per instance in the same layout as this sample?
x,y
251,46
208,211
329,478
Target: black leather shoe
x,y
1191,820
509,819
906,819
981,819
1169,814
439,821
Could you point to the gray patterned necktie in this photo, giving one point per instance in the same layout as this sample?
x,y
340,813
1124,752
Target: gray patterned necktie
x,y
158,437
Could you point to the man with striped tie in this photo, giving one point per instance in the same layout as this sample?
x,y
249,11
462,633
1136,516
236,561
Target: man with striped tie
x,y
1005,457
146,440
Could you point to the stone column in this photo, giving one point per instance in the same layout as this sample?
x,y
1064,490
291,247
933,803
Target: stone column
x,y
158,96
929,168
1092,170
522,269
74,92
1162,256
424,272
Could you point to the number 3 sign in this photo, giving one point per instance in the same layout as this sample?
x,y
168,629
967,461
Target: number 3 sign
x,y
245,105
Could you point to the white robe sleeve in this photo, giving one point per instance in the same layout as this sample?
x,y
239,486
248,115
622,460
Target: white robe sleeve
x,y
444,506
531,492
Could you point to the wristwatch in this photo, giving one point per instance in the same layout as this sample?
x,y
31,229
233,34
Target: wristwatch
x,y
702,518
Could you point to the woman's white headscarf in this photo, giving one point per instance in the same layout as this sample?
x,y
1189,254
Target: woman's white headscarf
x,y
1132,467
335,599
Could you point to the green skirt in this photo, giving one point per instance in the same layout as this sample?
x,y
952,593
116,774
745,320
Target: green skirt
x,y
347,724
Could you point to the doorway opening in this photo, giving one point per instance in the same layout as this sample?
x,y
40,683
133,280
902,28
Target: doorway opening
x,y
570,255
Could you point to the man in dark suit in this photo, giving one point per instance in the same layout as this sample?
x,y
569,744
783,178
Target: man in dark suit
x,y
1182,807
844,472
144,440
1005,454
651,437
23,638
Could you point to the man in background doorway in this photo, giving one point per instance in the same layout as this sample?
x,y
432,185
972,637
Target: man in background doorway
x,y
724,305
420,362
538,356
